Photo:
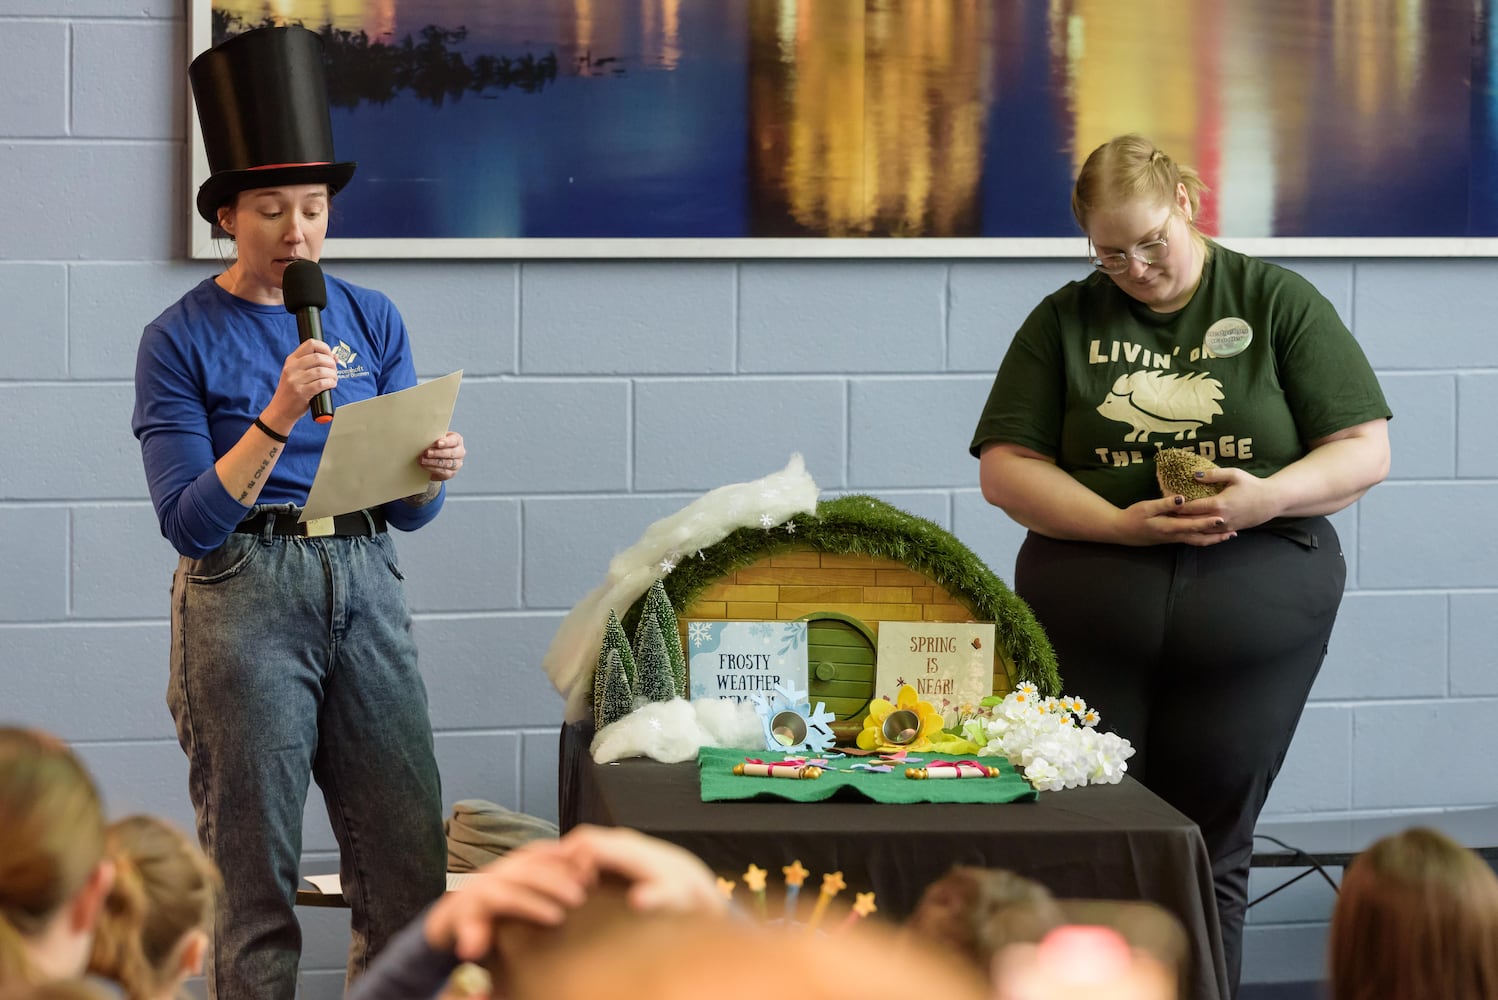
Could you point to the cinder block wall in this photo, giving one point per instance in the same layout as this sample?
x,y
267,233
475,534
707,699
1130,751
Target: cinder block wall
x,y
600,396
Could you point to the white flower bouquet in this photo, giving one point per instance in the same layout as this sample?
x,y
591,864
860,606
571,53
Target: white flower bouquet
x,y
1054,740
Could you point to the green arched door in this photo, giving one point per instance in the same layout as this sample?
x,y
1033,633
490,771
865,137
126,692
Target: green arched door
x,y
840,664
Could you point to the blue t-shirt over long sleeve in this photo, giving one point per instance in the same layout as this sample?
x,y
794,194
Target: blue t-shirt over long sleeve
x,y
209,365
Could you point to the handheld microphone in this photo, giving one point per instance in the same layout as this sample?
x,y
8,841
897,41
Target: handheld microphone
x,y
306,295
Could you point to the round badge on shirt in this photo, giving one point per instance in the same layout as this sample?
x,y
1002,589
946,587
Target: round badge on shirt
x,y
1227,337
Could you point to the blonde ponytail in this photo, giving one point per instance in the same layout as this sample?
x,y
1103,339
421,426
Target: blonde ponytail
x,y
51,839
165,889
117,952
1131,167
13,965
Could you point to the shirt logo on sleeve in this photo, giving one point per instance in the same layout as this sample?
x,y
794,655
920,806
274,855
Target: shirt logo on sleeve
x,y
344,355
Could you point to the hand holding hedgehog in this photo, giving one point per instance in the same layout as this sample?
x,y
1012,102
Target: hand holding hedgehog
x,y
1176,469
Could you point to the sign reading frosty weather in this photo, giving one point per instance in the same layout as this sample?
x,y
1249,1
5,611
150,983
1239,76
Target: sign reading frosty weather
x,y
736,659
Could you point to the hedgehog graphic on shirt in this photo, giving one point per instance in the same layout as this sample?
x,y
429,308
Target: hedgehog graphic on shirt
x,y
1155,402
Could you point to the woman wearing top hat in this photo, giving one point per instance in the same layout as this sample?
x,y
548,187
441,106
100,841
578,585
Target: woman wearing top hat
x,y
291,650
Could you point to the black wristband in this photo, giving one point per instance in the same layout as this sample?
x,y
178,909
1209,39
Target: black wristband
x,y
268,432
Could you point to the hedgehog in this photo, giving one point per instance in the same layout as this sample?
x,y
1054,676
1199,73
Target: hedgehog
x,y
1174,468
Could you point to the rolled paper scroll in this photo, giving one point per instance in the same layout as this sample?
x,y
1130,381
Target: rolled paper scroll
x,y
940,769
777,771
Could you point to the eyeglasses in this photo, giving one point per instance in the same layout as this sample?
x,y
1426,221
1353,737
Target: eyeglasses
x,y
1149,252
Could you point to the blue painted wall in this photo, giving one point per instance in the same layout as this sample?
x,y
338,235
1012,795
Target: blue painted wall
x,y
600,396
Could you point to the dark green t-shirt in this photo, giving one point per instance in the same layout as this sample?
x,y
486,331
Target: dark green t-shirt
x,y
1256,366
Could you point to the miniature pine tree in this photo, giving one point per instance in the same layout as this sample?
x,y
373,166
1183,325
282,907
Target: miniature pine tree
x,y
614,638
658,606
652,662
612,697
613,676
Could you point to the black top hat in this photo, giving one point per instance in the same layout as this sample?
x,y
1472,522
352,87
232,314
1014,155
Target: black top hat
x,y
262,100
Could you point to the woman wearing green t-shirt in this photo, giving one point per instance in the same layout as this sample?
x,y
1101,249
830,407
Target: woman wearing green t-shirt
x,y
1195,626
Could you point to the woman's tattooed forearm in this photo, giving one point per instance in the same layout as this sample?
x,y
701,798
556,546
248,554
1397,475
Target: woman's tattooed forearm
x,y
255,479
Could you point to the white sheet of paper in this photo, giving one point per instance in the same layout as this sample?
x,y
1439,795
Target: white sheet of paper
x,y
331,885
371,456
328,885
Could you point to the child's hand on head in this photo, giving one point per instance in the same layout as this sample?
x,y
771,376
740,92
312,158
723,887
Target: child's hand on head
x,y
538,883
661,875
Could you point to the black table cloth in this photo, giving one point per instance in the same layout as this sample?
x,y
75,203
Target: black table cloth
x,y
1099,842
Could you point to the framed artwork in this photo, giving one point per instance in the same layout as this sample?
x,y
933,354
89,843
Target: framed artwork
x,y
905,128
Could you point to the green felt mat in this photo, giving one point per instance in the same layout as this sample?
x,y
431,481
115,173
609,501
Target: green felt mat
x,y
719,783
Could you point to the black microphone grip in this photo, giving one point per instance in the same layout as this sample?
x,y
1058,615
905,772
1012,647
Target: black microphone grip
x,y
309,327
306,294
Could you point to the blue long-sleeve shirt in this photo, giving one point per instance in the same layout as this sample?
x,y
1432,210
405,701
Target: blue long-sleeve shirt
x,y
209,365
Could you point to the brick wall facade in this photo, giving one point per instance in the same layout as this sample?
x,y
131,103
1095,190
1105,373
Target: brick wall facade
x,y
807,582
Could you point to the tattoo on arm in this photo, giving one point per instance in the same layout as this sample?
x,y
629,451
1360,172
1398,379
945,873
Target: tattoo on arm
x,y
422,499
264,465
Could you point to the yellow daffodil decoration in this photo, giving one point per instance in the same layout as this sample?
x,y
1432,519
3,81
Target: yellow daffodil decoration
x,y
873,737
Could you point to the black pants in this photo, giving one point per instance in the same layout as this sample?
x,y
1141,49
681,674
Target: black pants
x,y
1202,658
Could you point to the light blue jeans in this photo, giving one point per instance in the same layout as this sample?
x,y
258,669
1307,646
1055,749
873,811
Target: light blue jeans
x,y
292,658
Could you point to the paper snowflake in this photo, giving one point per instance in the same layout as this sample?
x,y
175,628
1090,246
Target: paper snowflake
x,y
818,736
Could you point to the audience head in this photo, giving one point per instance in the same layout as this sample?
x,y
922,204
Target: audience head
x,y
1417,916
671,955
1082,960
978,911
1155,934
53,873
153,933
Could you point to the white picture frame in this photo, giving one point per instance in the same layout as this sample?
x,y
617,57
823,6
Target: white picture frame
x,y
1243,148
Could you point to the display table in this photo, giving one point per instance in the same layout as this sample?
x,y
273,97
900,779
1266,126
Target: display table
x,y
1333,843
1101,842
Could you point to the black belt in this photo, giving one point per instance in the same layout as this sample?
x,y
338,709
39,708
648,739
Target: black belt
x,y
360,522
